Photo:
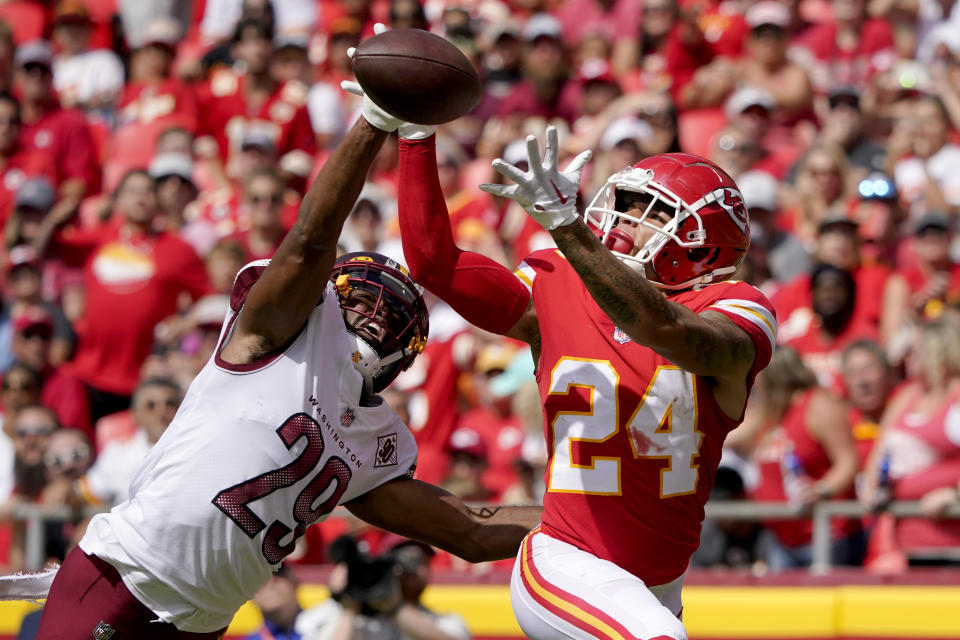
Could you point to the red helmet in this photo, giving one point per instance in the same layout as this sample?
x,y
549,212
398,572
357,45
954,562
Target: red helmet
x,y
708,234
384,311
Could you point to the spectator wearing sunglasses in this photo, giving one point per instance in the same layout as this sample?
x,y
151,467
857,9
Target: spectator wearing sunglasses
x,y
155,402
66,460
261,219
30,431
20,388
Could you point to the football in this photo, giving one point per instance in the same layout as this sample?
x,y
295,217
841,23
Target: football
x,y
416,76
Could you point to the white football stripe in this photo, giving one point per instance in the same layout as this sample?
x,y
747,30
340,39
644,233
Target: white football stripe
x,y
526,274
753,312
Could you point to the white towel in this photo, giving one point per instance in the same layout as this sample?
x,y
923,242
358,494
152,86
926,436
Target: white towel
x,y
27,586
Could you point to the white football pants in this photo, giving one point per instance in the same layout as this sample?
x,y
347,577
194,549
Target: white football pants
x,y
558,592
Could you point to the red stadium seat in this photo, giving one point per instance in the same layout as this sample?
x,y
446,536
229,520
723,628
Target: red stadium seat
x,y
697,127
130,147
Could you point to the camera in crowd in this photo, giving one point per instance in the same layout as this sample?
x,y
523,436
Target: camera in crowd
x,y
372,581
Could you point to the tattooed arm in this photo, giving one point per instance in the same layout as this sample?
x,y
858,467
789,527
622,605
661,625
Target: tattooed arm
x,y
427,513
705,344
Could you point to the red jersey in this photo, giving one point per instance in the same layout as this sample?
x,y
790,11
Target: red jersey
x,y
226,115
503,439
222,210
633,440
797,295
169,102
830,65
65,140
822,352
924,450
793,436
132,283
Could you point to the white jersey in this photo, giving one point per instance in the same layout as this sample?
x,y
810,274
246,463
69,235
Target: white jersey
x,y
255,454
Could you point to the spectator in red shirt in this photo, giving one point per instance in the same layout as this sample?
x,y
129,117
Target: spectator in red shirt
x,y
61,392
234,103
618,20
263,202
62,135
17,163
176,189
830,324
767,66
869,382
918,443
672,49
468,461
751,110
848,49
217,213
153,100
135,276
24,292
546,91
804,452
838,245
923,287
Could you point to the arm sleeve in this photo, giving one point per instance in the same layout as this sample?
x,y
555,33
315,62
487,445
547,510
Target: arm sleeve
x,y
75,246
484,292
79,159
753,313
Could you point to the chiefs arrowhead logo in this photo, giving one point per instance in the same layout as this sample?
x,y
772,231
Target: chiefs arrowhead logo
x,y
732,202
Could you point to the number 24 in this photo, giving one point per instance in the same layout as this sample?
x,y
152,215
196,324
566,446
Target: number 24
x,y
664,425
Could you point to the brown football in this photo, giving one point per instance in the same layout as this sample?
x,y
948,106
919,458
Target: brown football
x,y
416,76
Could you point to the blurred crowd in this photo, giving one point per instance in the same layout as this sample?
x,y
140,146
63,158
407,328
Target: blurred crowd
x,y
150,149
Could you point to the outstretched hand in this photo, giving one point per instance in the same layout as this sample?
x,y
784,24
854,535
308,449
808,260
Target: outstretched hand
x,y
547,194
375,115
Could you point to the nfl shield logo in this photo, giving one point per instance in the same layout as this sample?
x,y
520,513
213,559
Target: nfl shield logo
x,y
346,418
620,336
386,451
103,631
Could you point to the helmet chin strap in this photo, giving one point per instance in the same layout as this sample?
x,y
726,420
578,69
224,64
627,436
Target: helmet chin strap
x,y
369,363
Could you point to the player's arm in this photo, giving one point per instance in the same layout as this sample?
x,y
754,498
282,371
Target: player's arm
x,y
708,344
421,511
484,292
283,298
827,423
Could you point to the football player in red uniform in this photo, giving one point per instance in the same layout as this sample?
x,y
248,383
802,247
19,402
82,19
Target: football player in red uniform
x,y
645,352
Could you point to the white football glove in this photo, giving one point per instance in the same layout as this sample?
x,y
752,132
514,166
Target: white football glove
x,y
375,115
548,195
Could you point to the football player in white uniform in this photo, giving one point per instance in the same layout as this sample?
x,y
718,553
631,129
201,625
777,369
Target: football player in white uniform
x,y
281,426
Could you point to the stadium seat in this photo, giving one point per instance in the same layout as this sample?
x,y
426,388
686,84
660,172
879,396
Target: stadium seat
x,y
696,129
130,147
